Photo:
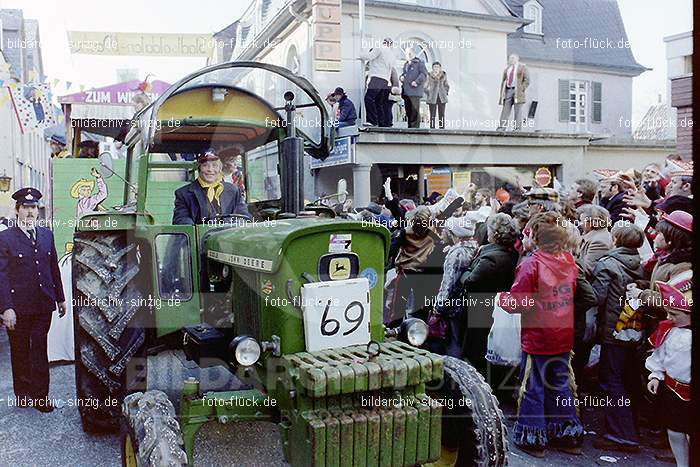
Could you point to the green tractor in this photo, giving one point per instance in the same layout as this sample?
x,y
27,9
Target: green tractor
x,y
290,303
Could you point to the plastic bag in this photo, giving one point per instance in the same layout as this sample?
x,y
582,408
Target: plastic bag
x,y
594,359
503,346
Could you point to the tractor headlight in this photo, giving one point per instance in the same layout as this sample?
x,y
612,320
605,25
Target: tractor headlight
x,y
414,331
246,350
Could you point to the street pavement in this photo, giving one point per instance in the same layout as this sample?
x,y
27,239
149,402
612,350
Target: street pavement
x,y
31,438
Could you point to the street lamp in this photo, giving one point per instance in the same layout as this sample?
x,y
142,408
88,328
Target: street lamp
x,y
5,182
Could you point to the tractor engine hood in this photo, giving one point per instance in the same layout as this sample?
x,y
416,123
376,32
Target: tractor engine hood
x,y
262,246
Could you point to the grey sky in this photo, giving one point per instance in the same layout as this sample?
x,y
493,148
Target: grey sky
x,y
647,23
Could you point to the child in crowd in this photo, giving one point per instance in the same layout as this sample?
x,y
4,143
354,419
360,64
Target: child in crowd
x,y
619,340
670,364
543,292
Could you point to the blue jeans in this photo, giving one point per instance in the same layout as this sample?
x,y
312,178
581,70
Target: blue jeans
x,y
546,405
618,371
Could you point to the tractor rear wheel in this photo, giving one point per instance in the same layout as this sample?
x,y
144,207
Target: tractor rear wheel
x,y
109,333
474,432
151,436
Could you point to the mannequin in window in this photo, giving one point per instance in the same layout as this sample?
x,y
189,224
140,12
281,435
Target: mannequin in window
x,y
514,82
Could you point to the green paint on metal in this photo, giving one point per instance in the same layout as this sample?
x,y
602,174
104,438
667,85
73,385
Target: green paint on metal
x,y
67,175
346,439
399,437
386,434
411,445
374,423
270,240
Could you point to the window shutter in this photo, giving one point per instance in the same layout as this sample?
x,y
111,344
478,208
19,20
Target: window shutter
x,y
597,116
563,100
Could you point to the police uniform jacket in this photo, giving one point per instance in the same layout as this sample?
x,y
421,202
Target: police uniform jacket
x,y
30,280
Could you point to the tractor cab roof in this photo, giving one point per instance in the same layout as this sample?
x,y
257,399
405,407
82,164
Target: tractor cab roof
x,y
233,103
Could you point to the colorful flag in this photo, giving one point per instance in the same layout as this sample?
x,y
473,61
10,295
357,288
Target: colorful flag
x,y
33,107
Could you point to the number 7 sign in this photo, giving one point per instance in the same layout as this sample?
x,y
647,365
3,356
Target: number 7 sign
x,y
336,314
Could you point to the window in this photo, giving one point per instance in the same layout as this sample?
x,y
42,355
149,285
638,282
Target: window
x,y
573,96
532,10
262,178
173,255
688,64
597,102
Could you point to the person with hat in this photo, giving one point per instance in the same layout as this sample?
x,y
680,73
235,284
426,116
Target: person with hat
x,y
669,364
542,200
30,288
208,197
82,191
674,247
346,115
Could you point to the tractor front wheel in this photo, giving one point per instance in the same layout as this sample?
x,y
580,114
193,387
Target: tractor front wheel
x,y
151,436
473,428
110,336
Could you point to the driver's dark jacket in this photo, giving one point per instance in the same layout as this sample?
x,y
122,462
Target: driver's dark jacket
x,y
193,207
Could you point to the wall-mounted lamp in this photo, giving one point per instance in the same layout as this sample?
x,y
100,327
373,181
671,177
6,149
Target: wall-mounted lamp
x,y
5,182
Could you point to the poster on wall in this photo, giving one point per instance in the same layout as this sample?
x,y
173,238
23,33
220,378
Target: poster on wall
x,y
32,104
438,179
460,180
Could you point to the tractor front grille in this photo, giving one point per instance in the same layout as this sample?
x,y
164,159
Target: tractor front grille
x,y
246,304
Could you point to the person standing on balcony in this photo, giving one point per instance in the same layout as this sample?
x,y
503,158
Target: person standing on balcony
x,y
381,61
436,94
514,82
413,78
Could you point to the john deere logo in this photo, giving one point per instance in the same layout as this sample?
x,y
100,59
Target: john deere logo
x,y
339,269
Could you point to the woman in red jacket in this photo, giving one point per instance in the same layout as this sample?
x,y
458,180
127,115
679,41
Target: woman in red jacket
x,y
543,292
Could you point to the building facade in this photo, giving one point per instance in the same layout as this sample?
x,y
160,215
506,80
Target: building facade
x,y
582,92
24,156
679,59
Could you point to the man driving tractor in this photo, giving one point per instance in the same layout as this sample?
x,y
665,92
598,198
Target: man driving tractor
x,y
209,196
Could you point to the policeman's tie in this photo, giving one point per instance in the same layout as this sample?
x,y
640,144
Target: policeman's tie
x,y
32,236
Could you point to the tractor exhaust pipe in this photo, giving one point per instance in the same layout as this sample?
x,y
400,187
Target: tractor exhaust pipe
x,y
292,163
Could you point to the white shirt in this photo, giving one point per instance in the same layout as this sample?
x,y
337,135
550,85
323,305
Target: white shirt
x,y
381,61
672,357
26,230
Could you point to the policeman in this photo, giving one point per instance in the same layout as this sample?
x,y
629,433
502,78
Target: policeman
x,y
30,287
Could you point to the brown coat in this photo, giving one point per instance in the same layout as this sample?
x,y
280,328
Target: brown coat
x,y
522,81
594,245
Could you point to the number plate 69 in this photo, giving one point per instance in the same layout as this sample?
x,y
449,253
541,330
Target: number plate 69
x,y
336,314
